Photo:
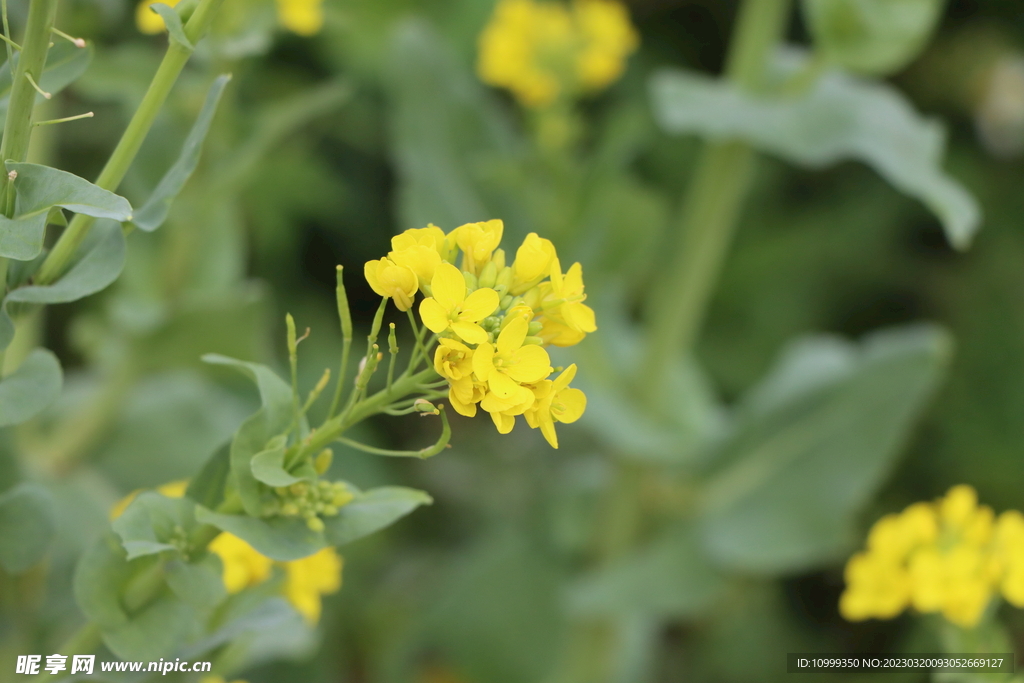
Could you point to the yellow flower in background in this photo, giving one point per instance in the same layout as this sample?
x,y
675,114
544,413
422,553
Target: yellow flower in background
x,y
542,51
478,242
950,557
310,578
450,308
306,579
304,17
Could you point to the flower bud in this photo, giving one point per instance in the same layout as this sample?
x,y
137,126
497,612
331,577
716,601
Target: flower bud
x,y
535,327
323,461
534,340
315,524
488,275
424,406
498,259
471,281
504,279
506,302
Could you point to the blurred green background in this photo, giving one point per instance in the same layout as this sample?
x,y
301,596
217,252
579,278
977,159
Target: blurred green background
x,y
327,146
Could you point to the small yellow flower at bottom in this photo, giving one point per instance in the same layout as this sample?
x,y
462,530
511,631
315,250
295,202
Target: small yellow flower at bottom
x,y
310,578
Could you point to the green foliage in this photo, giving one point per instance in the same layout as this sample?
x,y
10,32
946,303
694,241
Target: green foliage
x,y
31,388
27,526
874,37
840,118
153,523
65,63
174,25
811,444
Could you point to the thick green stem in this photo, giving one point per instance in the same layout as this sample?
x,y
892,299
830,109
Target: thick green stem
x,y
31,62
713,204
134,135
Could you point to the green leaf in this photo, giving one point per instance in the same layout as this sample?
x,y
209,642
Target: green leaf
x,y
156,632
98,263
40,188
154,212
174,27
371,511
27,526
670,578
271,420
31,388
278,538
199,584
812,444
841,118
207,487
875,37
268,467
22,238
100,575
152,522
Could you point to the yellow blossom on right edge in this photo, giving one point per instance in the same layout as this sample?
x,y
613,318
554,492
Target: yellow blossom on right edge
x,y
543,51
951,556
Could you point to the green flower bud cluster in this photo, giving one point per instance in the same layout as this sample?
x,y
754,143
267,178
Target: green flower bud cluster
x,y
311,501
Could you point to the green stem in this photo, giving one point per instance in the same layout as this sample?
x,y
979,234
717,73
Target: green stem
x,y
31,62
712,206
131,141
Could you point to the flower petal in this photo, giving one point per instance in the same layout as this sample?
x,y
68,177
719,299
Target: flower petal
x,y
448,286
513,336
434,315
470,332
569,405
529,364
479,305
547,428
483,361
467,409
565,378
579,317
503,422
502,385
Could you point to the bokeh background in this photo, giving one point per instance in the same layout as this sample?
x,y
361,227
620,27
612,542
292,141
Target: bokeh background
x,y
328,145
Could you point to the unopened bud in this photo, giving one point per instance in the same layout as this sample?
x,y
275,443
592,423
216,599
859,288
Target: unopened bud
x,y
323,461
535,327
488,275
504,279
471,282
506,302
12,175
289,509
498,259
315,524
424,406
534,340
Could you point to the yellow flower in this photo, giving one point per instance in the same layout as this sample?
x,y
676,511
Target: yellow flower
x,y
243,565
147,20
477,242
450,308
308,579
952,556
389,279
506,365
556,401
533,262
542,51
453,360
304,17
174,489
421,250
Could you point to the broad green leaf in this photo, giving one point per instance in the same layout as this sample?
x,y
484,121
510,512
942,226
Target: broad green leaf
x,y
173,22
31,388
200,584
64,64
27,526
152,523
268,467
156,632
207,487
99,579
252,437
278,538
874,37
812,444
371,511
841,118
154,212
670,578
98,263
21,238
40,188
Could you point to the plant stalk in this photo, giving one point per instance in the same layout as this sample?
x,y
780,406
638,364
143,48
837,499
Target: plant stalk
x,y
131,141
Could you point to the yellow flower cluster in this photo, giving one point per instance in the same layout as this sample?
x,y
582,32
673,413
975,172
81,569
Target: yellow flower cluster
x,y
304,17
951,556
492,319
306,580
545,50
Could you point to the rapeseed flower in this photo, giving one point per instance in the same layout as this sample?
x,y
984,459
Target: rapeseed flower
x,y
492,320
952,557
544,51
